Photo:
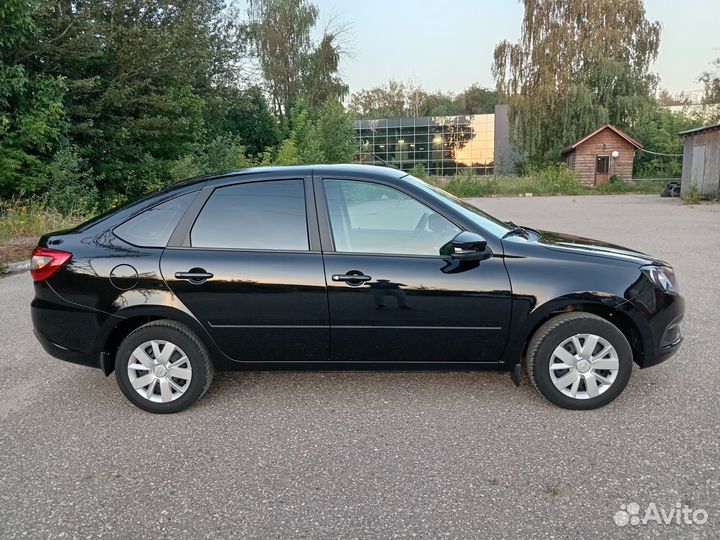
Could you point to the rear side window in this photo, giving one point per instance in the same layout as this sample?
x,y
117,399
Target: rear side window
x,y
153,227
257,215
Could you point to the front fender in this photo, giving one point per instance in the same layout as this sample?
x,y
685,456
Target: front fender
x,y
528,316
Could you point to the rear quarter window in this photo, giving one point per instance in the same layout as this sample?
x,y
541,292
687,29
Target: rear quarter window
x,y
153,227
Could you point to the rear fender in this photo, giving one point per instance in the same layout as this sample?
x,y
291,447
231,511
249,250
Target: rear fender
x,y
113,332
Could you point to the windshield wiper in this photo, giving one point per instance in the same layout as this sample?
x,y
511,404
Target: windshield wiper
x,y
517,230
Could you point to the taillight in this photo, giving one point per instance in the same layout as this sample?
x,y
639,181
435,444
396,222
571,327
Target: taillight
x,y
45,262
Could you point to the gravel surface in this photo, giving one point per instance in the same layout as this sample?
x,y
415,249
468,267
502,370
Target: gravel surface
x,y
377,455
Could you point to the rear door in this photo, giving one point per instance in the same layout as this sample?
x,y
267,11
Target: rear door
x,y
250,269
392,296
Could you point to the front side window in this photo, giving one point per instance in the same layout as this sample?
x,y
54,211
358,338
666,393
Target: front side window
x,y
153,227
373,218
257,215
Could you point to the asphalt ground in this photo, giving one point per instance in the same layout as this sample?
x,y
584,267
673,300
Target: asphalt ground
x,y
378,455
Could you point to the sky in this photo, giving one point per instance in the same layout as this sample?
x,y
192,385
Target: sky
x,y
448,45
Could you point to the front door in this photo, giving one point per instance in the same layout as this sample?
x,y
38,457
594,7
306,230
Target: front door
x,y
392,297
602,166
249,275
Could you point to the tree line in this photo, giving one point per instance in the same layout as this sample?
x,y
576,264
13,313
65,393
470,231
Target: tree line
x,y
103,100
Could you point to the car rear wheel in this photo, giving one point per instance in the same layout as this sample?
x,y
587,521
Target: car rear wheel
x,y
162,367
579,361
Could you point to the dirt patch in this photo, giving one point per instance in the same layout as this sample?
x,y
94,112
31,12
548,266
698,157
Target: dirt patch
x,y
17,249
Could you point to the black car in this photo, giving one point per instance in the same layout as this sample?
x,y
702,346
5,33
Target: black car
x,y
347,266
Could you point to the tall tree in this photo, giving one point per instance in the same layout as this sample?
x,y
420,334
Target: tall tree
x,y
248,116
386,101
139,75
658,130
476,100
577,65
409,99
711,83
32,114
291,62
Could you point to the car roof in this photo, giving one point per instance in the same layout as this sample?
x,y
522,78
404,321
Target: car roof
x,y
388,173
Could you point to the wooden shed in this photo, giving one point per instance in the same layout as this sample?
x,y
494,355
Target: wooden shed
x,y
606,152
701,161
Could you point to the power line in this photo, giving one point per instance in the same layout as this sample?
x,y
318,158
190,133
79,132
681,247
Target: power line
x,y
659,153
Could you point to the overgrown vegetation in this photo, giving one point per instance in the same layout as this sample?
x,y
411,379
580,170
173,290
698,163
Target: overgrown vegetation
x,y
578,65
550,180
691,196
23,220
30,219
103,101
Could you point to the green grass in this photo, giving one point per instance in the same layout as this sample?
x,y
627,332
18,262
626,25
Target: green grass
x,y
642,186
691,196
23,220
496,185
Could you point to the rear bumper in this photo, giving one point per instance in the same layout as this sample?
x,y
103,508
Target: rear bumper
x,y
66,331
63,353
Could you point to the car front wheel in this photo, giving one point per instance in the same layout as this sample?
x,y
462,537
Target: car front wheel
x,y
579,361
162,367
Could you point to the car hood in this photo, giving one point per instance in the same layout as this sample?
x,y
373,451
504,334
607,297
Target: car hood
x,y
588,246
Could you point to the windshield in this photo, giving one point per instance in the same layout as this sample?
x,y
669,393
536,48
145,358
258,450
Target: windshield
x,y
491,224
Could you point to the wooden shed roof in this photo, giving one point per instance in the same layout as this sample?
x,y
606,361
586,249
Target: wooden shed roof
x,y
698,130
625,136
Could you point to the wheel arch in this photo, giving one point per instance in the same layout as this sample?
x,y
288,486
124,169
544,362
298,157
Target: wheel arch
x,y
132,318
613,310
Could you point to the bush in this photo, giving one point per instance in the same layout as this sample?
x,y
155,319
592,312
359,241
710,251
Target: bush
x,y
418,171
31,218
691,196
71,186
223,153
551,180
645,186
557,179
288,153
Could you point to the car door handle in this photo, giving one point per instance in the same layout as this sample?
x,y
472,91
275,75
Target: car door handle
x,y
352,278
194,275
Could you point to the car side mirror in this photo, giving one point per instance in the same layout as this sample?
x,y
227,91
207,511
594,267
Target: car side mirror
x,y
469,246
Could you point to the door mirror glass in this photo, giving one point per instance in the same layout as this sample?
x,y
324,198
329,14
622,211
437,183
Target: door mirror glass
x,y
467,246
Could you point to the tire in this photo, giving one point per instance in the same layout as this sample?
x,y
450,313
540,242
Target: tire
x,y
565,332
174,359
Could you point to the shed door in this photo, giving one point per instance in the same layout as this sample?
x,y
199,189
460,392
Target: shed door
x,y
602,165
697,172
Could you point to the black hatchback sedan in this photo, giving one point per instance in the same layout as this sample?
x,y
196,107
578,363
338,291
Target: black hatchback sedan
x,y
346,266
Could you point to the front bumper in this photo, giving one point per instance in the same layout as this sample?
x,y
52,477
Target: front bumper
x,y
659,326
